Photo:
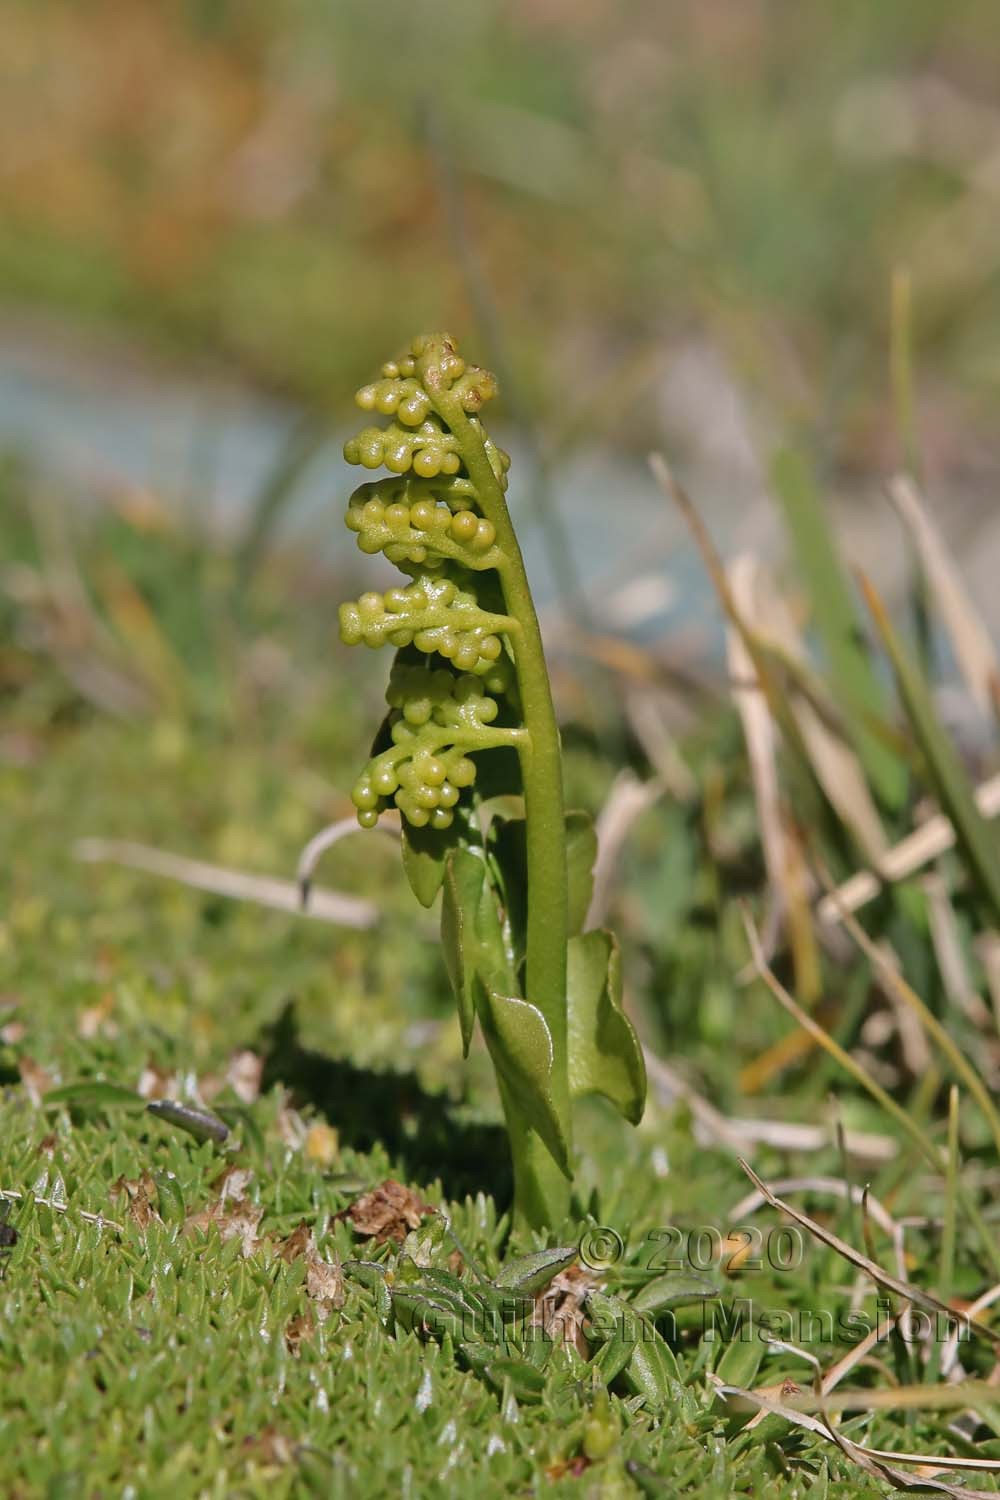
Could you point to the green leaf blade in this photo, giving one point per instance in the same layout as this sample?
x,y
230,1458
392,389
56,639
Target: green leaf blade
x,y
425,851
520,1046
605,1056
463,885
854,681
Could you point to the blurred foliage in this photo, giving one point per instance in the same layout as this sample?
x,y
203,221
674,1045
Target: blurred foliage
x,y
289,185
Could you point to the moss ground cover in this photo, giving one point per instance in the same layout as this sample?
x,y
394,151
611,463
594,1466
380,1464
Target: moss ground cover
x,y
331,1300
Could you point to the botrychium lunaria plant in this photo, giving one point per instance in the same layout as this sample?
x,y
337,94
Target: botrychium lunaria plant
x,y
469,754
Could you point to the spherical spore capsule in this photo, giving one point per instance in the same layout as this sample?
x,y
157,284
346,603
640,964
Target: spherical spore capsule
x,y
463,772
422,515
464,525
426,463
364,796
385,781
432,770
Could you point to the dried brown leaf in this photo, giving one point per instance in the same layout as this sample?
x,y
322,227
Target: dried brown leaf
x,y
300,1242
233,1182
156,1082
291,1128
559,1309
35,1079
971,641
878,1462
241,1222
233,1215
140,1192
298,1330
269,1448
95,1020
759,730
387,1212
243,1074
325,1285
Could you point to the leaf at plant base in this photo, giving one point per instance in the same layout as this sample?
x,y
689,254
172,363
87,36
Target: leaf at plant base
x,y
674,1289
523,1381
581,850
630,1345
463,884
415,1310
530,1273
652,1368
740,1360
521,1049
368,1273
604,1052
611,1328
93,1093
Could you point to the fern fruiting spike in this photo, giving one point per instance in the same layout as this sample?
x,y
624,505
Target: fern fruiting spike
x,y
470,715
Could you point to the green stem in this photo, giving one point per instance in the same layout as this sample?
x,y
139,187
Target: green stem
x,y
541,1189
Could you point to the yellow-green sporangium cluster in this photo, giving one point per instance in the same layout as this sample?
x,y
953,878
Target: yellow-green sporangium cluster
x,y
418,523
419,439
425,516
438,716
428,451
435,615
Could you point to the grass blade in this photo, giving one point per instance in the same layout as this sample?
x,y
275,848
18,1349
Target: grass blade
x,y
971,642
950,781
854,681
891,1106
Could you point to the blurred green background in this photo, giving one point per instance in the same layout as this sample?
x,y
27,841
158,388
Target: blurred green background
x,y
288,188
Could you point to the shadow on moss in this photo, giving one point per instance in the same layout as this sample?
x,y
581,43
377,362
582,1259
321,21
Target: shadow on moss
x,y
428,1134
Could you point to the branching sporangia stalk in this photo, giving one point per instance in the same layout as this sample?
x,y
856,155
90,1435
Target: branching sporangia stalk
x,y
470,720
